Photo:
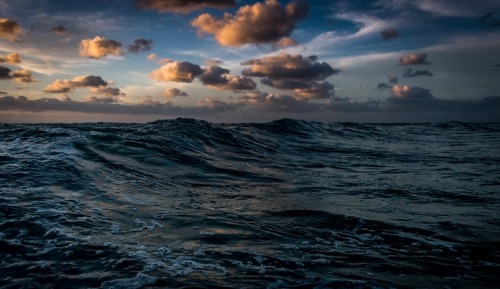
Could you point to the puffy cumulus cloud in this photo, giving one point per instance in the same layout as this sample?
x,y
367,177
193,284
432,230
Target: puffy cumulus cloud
x,y
289,66
410,92
9,29
411,73
389,33
301,75
219,78
11,58
174,92
177,71
413,59
183,6
5,73
61,30
99,47
140,45
260,23
69,85
303,89
23,76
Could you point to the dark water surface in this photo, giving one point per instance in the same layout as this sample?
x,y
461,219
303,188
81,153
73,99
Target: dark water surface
x,y
287,204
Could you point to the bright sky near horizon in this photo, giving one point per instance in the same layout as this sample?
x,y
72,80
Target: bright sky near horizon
x,y
239,61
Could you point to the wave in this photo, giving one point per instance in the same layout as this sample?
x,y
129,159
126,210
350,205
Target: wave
x,y
284,204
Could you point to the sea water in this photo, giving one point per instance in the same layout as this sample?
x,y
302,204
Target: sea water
x,y
287,204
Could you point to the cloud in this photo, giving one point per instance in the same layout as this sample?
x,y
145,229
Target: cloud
x,y
183,6
285,65
410,73
11,58
177,71
140,45
23,76
215,105
9,29
301,75
152,56
286,42
276,102
3,92
65,86
404,92
101,99
100,47
260,23
389,33
61,30
219,78
391,79
302,88
174,92
413,59
106,91
5,73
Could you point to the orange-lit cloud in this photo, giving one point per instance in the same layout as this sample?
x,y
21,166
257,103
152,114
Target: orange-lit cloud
x,y
100,47
106,90
177,71
260,23
410,92
303,89
9,29
413,59
183,6
290,66
302,75
219,78
173,92
23,76
69,85
286,42
152,56
11,58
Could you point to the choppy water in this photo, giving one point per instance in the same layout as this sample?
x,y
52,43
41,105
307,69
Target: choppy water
x,y
287,204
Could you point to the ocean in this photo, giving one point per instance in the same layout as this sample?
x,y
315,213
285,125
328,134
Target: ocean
x,y
186,203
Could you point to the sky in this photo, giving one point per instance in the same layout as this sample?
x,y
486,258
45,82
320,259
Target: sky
x,y
250,61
